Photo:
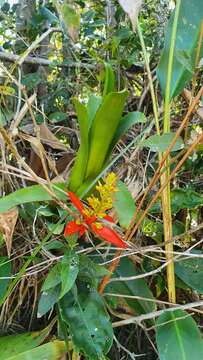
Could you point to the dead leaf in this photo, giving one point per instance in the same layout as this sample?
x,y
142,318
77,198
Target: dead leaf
x,y
132,8
7,225
48,138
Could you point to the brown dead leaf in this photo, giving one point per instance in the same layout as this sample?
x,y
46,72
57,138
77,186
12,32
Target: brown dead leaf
x,y
48,138
7,225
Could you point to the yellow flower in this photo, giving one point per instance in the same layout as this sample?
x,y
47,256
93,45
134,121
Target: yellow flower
x,y
100,204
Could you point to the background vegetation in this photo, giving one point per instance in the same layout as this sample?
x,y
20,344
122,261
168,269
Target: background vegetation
x,y
89,89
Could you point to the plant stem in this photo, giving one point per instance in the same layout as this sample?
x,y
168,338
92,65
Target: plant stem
x,y
154,100
166,201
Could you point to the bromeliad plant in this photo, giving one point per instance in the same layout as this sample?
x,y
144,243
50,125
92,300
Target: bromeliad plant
x,y
91,218
101,126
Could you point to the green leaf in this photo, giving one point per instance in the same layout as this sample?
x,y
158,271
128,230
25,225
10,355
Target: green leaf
x,y
53,278
15,344
79,168
182,198
190,17
178,337
162,142
137,287
124,205
56,229
103,129
5,271
89,325
190,270
90,272
49,15
47,300
57,117
69,271
126,122
29,194
109,83
185,199
93,105
32,80
71,18
53,350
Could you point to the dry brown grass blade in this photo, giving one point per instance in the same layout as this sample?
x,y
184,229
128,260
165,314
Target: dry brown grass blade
x,y
7,225
157,173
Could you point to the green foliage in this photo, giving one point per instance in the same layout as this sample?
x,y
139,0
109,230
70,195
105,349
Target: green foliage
x,y
188,30
29,194
181,199
100,129
16,344
160,143
124,205
84,312
178,337
69,271
5,272
79,168
137,287
190,270
103,130
52,350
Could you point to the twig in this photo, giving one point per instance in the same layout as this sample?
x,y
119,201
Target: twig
x,y
42,61
129,233
152,315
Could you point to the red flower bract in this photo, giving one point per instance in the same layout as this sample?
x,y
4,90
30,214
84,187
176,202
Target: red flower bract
x,y
104,232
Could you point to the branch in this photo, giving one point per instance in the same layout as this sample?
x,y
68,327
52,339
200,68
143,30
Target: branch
x,y
41,61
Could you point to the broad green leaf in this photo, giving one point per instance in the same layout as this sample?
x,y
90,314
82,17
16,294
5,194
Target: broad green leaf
x,y
103,129
162,142
47,300
178,337
53,350
126,122
29,194
182,198
137,287
12,345
185,199
53,278
90,272
93,105
79,168
190,17
71,18
32,80
49,15
69,271
190,270
55,229
90,328
124,205
5,271
57,117
109,83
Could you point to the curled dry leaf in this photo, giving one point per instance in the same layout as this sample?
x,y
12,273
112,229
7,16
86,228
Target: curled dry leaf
x,y
7,225
132,8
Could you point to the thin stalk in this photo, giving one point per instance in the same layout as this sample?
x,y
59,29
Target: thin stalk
x,y
166,194
27,263
132,229
153,96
